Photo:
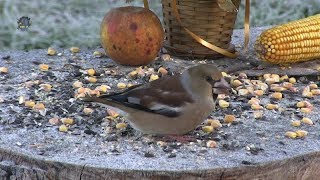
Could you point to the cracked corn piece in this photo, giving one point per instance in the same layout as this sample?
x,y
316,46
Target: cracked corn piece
x,y
295,41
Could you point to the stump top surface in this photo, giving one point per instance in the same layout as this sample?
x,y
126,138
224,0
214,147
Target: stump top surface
x,y
250,142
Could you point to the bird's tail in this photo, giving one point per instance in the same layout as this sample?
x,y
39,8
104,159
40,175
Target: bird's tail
x,y
105,101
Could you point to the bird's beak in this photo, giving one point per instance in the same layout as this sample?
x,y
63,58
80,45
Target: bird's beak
x,y
221,87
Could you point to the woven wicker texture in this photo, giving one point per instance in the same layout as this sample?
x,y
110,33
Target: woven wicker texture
x,y
204,18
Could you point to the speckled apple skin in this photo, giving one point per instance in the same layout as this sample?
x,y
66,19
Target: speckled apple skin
x,y
131,35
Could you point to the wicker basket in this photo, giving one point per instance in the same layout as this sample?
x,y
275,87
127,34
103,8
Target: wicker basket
x,y
205,19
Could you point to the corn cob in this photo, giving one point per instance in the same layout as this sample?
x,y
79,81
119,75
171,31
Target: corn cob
x,y
295,41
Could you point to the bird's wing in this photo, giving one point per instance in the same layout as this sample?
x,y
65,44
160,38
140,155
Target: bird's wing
x,y
165,96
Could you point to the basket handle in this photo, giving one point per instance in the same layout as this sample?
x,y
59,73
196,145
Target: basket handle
x,y
209,45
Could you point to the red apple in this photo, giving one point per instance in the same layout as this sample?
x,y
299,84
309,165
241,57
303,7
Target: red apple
x,y
131,35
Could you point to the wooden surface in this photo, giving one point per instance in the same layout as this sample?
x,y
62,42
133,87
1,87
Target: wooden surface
x,y
21,166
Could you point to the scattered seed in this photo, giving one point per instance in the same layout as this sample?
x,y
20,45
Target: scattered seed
x,y
256,107
229,118
276,95
67,121
46,87
51,51
121,125
211,144
87,111
236,83
305,110
215,123
77,84
91,79
296,123
266,76
307,121
301,133
300,104
97,54
29,104
287,85
315,92
91,72
133,73
103,88
44,67
254,101
278,89
121,85
272,106
313,86
207,129
162,71
291,134
258,114
270,81
292,80
54,121
258,92
3,70
165,57
75,49
21,99
112,113
243,75
63,128
223,104
153,77
243,92
39,106
283,78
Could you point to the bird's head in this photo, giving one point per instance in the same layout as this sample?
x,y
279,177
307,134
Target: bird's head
x,y
206,75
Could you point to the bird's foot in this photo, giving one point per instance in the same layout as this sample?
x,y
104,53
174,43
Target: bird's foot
x,y
178,138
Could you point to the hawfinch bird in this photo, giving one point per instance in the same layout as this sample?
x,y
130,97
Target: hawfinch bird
x,y
172,104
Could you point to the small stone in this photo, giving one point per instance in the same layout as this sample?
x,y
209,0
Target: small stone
x,y
21,99
243,92
97,54
149,154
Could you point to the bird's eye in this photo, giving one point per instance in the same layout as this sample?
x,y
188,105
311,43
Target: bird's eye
x,y
209,78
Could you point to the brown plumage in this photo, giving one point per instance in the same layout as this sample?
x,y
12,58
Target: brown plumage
x,y
170,105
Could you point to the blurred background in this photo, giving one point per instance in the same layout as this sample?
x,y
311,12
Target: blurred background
x,y
76,22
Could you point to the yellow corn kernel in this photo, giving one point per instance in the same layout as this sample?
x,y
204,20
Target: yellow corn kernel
x,y
291,134
67,121
3,70
121,85
77,84
306,121
296,123
315,92
229,118
215,124
91,72
63,128
46,87
276,95
236,83
91,79
305,110
121,125
301,133
292,80
272,106
29,104
223,104
313,86
44,67
207,129
153,77
75,49
51,51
